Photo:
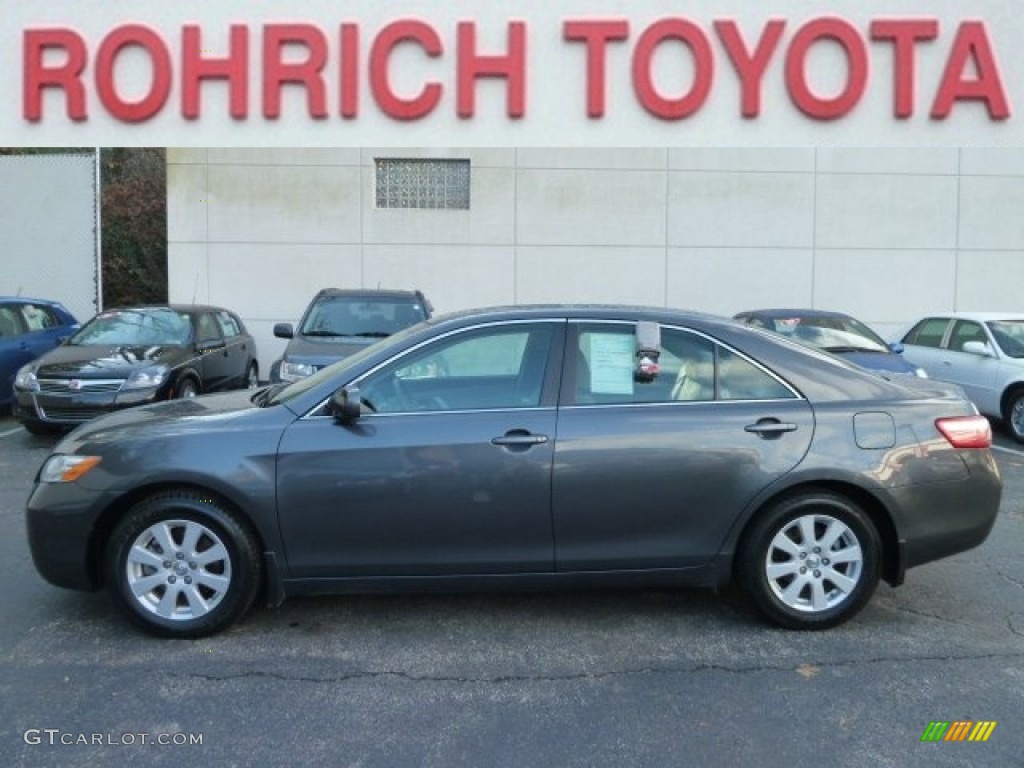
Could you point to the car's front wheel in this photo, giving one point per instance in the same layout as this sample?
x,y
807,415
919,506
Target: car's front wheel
x,y
179,564
810,561
1013,416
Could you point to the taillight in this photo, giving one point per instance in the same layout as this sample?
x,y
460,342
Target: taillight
x,y
966,431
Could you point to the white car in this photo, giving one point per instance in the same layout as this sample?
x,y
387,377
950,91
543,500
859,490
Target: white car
x,y
983,352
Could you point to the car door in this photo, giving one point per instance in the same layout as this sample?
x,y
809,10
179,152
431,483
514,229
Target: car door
x,y
215,359
447,472
977,374
922,345
653,471
237,348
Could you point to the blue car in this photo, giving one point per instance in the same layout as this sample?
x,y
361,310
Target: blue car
x,y
836,333
28,328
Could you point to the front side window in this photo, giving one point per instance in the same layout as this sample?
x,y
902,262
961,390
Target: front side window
x,y
489,368
690,368
964,331
38,318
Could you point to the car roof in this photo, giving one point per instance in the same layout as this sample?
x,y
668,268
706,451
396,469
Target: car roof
x,y
785,312
172,307
981,317
31,300
381,293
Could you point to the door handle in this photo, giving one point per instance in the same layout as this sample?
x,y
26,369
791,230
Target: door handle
x,y
768,428
519,438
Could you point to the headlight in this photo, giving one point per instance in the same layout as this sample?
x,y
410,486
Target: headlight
x,y
26,379
921,373
147,378
295,371
60,468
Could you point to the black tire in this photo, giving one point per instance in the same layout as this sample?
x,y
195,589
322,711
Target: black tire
x,y
793,584
197,588
1013,415
186,388
252,377
42,430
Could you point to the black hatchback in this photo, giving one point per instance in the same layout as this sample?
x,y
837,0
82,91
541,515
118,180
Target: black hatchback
x,y
134,355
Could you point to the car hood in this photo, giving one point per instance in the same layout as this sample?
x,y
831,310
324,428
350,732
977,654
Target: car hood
x,y
889,362
197,415
325,350
107,361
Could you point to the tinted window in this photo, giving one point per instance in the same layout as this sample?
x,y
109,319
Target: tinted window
x,y
495,367
228,324
355,316
1009,335
928,332
964,331
38,318
10,322
209,330
691,368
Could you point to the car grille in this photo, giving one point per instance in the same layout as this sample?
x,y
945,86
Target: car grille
x,y
64,386
71,413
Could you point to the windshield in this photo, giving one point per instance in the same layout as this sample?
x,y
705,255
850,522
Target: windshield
x,y
282,393
1009,335
136,327
358,316
833,333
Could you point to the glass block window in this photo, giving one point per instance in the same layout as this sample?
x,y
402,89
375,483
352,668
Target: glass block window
x,y
423,183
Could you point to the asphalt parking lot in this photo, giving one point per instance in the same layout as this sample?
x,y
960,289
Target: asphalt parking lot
x,y
651,678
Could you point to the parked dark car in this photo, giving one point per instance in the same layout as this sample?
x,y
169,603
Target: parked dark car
x,y
338,323
134,355
526,447
836,333
28,328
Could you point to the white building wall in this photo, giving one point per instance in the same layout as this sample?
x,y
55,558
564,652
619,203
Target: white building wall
x,y
885,234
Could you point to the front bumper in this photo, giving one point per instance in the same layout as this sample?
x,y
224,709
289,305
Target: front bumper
x,y
61,519
70,409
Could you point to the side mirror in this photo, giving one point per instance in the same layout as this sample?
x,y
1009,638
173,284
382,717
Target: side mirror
x,y
897,348
980,348
283,330
345,404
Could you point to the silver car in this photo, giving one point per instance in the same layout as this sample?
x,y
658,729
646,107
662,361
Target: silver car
x,y
983,352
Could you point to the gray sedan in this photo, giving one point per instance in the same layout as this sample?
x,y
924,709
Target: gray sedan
x,y
524,448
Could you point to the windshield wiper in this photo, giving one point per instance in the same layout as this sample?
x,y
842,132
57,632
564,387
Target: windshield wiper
x,y
371,334
262,398
852,349
322,333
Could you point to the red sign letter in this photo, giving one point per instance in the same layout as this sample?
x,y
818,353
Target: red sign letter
x,y
837,31
348,80
110,48
750,67
277,72
972,44
904,34
391,36
643,83
67,76
511,66
195,67
596,35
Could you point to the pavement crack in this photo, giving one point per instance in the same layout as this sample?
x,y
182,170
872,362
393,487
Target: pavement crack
x,y
357,675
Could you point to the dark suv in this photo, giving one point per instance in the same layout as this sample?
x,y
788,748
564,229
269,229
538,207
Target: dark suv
x,y
338,323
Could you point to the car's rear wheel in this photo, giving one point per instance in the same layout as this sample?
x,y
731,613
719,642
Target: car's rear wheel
x,y
810,561
252,378
179,564
1013,416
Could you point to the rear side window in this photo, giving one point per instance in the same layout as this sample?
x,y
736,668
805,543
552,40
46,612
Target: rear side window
x,y
228,324
691,368
928,332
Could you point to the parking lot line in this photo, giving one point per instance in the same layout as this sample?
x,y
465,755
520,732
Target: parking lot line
x,y
1014,451
10,432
